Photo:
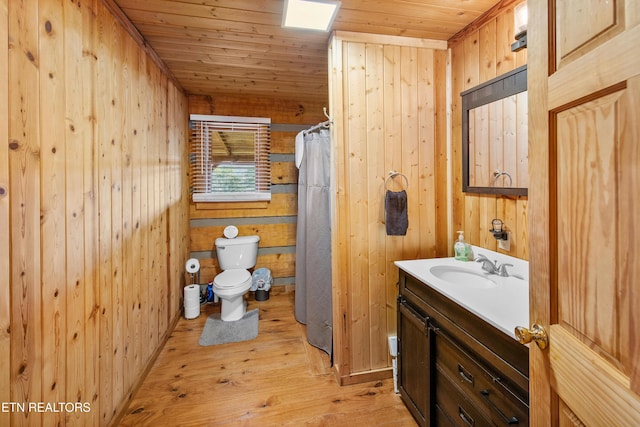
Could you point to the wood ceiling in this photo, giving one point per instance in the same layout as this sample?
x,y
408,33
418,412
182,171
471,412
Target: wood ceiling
x,y
237,47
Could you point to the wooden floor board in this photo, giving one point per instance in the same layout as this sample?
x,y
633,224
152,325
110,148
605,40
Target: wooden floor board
x,y
276,379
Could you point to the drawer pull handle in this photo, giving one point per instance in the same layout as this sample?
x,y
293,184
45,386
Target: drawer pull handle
x,y
507,420
466,418
464,374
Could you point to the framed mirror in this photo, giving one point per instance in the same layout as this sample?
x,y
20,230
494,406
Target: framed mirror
x,y
495,158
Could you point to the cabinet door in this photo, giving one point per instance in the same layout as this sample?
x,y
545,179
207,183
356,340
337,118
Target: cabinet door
x,y
414,366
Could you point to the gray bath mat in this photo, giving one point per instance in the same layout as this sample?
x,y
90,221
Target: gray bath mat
x,y
217,331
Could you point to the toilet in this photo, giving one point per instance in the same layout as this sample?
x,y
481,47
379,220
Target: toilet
x,y
236,254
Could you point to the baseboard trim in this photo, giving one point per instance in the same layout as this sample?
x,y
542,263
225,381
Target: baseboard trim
x,y
363,377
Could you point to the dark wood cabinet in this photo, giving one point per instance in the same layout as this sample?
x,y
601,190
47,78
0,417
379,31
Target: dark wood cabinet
x,y
455,369
414,369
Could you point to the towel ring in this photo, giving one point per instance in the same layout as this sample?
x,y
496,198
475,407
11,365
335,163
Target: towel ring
x,y
393,174
497,174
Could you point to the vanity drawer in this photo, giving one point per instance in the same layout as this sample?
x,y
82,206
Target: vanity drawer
x,y
415,292
440,419
454,408
488,392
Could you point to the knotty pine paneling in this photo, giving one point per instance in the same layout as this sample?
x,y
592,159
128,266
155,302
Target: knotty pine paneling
x,y
285,204
282,111
478,54
93,185
274,221
26,365
5,264
238,47
389,105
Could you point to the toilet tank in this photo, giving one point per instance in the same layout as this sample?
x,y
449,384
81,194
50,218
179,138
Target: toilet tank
x,y
238,253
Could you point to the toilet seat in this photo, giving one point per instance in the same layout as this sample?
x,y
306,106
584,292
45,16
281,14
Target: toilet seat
x,y
231,278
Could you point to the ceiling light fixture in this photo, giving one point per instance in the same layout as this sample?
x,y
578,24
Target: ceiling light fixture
x,y
310,14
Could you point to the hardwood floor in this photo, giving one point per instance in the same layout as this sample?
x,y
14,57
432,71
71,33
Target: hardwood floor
x,y
276,379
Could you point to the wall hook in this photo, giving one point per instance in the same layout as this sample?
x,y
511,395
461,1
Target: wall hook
x,y
324,110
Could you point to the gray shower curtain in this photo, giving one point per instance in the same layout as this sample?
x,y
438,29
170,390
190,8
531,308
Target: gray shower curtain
x,y
313,242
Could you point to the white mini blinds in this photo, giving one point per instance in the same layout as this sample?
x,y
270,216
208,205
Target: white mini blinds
x,y
230,158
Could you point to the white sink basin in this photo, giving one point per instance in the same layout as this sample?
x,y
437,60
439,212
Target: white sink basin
x,y
501,301
462,276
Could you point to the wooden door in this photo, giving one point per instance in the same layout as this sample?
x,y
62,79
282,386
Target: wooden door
x,y
584,148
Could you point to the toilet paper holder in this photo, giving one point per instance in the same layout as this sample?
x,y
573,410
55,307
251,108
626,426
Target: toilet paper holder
x,y
193,268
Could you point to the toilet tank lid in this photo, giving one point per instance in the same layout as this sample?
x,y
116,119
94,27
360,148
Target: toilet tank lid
x,y
221,241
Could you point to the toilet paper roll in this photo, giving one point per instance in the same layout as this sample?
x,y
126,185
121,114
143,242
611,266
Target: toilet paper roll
x,y
191,301
192,265
230,232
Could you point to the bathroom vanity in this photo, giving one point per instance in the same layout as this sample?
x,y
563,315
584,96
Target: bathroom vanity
x,y
459,363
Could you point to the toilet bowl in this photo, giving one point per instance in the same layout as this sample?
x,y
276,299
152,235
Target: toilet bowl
x,y
235,256
230,286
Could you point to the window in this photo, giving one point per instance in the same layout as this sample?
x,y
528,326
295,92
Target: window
x,y
230,158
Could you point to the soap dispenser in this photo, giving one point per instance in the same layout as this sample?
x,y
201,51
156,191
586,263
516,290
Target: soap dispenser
x,y
460,248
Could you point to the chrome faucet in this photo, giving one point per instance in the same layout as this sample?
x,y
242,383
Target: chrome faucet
x,y
502,270
493,267
487,265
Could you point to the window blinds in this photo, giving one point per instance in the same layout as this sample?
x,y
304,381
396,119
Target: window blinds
x,y
230,158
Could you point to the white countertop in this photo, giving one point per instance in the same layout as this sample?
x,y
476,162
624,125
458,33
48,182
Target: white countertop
x,y
505,305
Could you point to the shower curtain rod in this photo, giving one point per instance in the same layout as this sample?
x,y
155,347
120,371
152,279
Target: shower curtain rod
x,y
324,124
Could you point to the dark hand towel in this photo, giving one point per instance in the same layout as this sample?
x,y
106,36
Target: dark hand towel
x,y
395,209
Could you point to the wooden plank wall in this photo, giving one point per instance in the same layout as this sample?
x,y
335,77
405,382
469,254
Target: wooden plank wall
x,y
92,201
389,101
5,262
478,54
275,221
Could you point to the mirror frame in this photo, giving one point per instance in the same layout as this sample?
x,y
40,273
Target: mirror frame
x,y
503,86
